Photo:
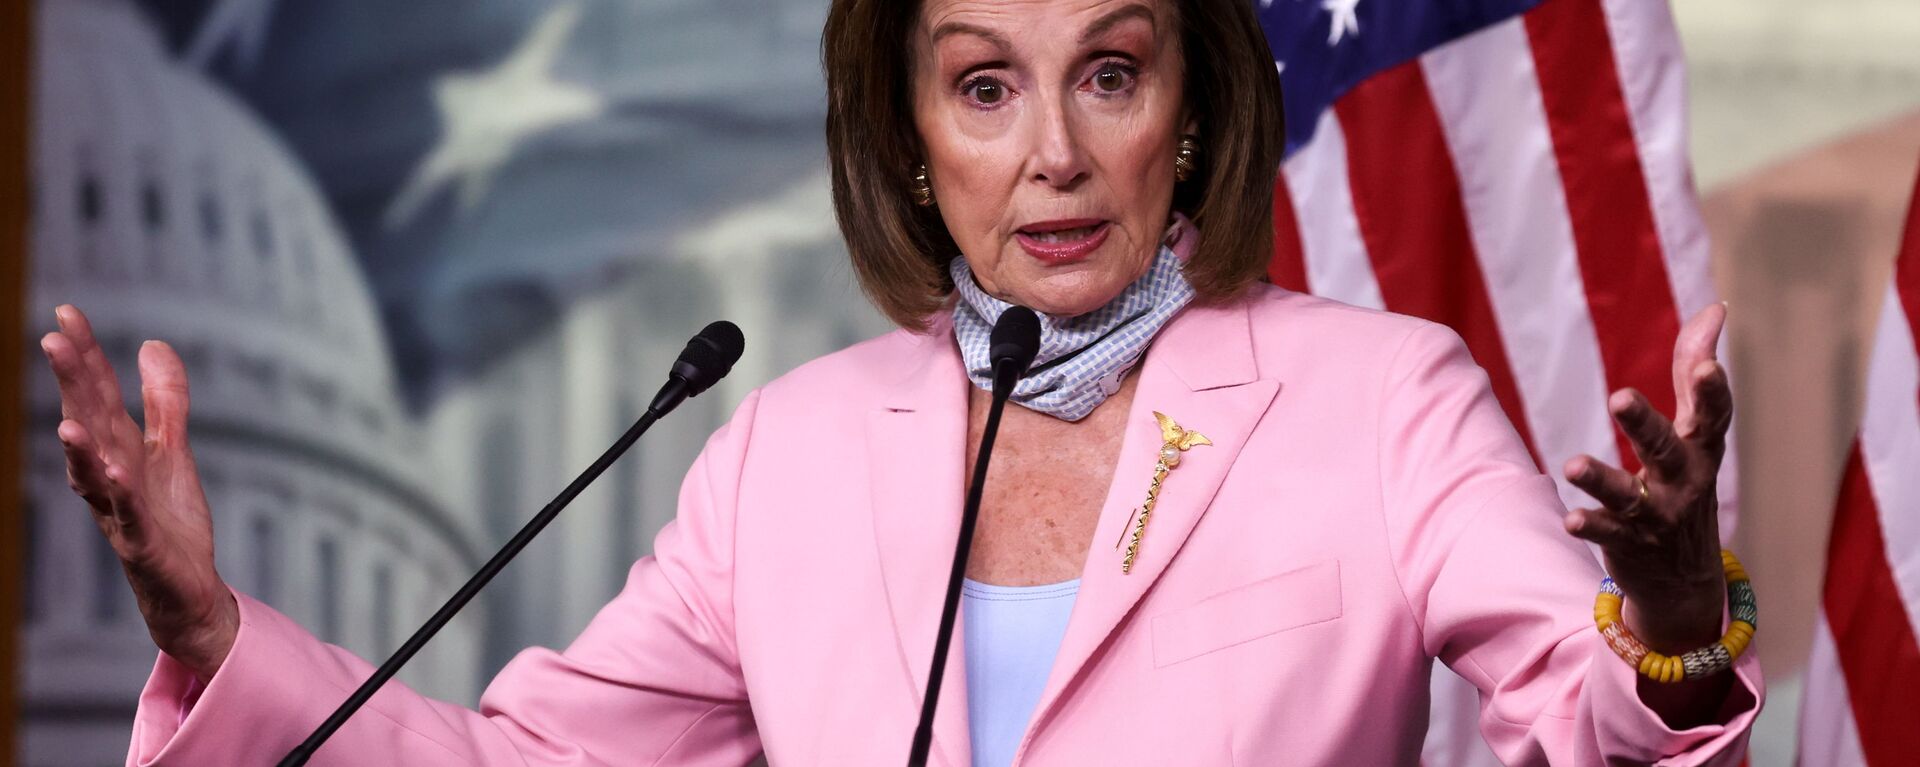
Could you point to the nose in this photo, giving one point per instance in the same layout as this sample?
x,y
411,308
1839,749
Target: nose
x,y
1058,158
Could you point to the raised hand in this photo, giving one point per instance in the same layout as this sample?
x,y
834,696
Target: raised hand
x,y
144,490
1659,528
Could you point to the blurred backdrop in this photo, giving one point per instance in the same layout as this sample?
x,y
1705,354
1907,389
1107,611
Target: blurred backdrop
x,y
426,259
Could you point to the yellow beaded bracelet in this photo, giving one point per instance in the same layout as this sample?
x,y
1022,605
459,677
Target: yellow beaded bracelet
x,y
1711,659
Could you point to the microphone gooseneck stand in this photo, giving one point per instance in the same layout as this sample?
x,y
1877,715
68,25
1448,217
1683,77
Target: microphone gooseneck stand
x,y
707,358
1015,341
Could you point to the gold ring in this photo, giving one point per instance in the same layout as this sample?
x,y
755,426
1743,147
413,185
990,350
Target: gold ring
x,y
1644,499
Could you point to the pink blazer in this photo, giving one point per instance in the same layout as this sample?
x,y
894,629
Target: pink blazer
x,y
1365,509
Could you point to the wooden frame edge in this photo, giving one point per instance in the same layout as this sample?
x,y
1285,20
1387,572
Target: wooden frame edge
x,y
16,60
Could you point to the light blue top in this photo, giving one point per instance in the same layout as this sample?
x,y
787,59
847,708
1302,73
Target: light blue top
x,y
1012,635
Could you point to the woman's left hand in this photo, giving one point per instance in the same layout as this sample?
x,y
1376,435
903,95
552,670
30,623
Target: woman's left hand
x,y
1659,528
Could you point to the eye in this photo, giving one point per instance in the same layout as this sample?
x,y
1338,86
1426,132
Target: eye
x,y
1112,77
985,91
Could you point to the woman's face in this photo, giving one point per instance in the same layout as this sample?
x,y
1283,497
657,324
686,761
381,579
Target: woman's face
x,y
1049,129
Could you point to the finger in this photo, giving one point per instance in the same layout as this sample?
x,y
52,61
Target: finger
x,y
76,327
1602,526
1613,487
1651,434
86,474
1713,411
163,389
78,399
113,426
128,513
1697,341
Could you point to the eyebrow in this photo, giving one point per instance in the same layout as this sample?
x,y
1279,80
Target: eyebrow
x,y
950,28
1113,19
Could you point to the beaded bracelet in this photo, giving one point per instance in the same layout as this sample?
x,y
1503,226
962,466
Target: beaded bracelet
x,y
1711,659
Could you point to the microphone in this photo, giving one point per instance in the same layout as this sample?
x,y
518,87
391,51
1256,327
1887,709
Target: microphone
x,y
1012,346
707,358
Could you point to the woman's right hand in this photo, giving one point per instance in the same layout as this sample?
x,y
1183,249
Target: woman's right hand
x,y
144,490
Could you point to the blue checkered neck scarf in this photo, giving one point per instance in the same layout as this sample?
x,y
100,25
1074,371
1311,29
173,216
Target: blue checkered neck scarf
x,y
1082,359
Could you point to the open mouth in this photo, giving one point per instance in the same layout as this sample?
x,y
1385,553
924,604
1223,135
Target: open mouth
x,y
1074,234
1063,241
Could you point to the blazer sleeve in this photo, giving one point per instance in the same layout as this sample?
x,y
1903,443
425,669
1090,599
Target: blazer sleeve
x,y
1502,594
654,678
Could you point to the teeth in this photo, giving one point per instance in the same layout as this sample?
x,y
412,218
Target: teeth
x,y
1064,235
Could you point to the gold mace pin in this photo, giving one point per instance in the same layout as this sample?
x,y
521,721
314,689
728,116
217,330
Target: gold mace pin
x,y
1174,440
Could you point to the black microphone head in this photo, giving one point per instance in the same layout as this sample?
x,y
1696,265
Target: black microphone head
x,y
709,357
1015,340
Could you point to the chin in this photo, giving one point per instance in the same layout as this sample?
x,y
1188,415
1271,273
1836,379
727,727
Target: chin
x,y
1071,295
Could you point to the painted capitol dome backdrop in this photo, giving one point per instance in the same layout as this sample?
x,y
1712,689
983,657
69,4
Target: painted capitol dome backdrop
x,y
171,201
166,210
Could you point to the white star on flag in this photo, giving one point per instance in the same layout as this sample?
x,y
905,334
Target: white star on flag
x,y
487,114
243,23
1345,19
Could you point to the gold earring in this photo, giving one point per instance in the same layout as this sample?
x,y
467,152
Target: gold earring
x,y
922,187
1186,157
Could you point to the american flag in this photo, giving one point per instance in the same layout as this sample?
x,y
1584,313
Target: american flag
x,y
1518,170
1865,666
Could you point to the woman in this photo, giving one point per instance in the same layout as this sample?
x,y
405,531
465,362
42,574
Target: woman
x,y
1336,498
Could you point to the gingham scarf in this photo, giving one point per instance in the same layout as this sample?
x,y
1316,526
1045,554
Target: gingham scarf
x,y
1082,359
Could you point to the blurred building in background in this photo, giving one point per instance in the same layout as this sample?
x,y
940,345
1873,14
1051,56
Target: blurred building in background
x,y
1806,141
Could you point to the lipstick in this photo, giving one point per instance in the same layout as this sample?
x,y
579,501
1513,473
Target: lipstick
x,y
1063,241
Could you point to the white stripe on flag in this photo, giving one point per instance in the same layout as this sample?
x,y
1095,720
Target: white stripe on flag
x,y
1336,257
1890,447
1653,80
1488,98
1646,47
1828,735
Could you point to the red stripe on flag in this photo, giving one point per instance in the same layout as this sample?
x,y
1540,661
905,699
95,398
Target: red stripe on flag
x,y
1628,293
1906,269
1406,196
1289,266
1871,629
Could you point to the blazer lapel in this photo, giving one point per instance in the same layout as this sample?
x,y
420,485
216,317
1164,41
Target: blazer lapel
x,y
1201,373
916,442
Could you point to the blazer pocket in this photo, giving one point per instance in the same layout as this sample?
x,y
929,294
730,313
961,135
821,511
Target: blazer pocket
x,y
1292,599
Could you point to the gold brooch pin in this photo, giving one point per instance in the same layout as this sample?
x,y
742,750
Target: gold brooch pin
x,y
1174,441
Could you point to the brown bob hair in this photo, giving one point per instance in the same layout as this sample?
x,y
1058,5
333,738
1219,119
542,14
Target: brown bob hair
x,y
900,250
